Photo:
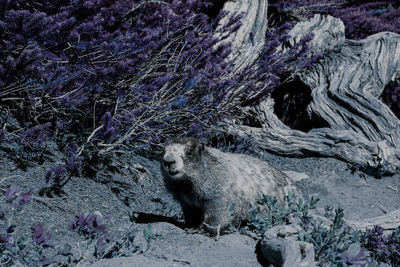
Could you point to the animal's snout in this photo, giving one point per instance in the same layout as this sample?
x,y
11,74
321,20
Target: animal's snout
x,y
168,160
172,164
168,163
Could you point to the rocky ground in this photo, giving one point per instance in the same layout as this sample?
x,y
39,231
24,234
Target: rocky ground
x,y
134,185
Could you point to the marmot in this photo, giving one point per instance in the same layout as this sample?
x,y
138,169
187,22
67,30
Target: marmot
x,y
216,188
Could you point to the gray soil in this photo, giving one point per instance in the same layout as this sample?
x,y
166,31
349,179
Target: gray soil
x,y
362,196
134,185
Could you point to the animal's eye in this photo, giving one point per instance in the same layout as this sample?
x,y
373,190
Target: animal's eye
x,y
188,152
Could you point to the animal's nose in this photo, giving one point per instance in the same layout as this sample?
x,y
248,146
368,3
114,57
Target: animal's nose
x,y
168,160
168,163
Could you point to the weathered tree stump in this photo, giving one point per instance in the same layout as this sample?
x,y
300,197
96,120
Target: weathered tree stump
x,y
345,86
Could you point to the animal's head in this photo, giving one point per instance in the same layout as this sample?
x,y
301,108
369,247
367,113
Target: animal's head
x,y
180,155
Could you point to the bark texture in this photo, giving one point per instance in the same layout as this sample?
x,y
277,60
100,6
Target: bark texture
x,y
249,39
354,125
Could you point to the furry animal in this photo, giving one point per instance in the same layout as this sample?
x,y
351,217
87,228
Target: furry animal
x,y
215,188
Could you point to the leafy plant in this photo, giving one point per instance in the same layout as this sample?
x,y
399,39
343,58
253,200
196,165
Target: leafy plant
x,y
72,166
330,242
15,250
270,213
102,75
116,244
101,241
89,225
148,235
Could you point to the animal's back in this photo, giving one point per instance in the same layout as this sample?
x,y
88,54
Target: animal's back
x,y
246,178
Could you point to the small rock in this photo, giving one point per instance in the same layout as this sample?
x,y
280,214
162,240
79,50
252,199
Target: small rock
x,y
287,253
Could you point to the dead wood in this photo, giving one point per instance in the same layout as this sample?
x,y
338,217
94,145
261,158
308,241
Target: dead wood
x,y
351,123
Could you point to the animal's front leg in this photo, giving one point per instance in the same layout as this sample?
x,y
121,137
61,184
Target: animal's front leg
x,y
217,218
194,216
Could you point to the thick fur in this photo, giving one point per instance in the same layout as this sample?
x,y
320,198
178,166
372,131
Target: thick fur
x,y
217,188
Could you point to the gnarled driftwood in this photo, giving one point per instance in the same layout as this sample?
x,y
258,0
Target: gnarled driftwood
x,y
345,88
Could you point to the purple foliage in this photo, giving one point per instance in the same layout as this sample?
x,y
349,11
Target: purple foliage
x,y
386,248
88,224
36,136
110,128
102,73
23,198
55,174
74,162
369,17
71,166
92,63
12,192
41,236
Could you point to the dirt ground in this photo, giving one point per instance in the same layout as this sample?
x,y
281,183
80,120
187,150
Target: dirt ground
x,y
134,184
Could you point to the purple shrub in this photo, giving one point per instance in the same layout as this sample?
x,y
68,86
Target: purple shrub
x,y
74,161
88,224
14,195
369,17
103,74
23,198
35,137
99,63
71,167
109,129
56,174
385,248
41,236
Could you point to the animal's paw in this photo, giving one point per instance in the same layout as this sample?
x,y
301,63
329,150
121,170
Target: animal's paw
x,y
215,230
195,231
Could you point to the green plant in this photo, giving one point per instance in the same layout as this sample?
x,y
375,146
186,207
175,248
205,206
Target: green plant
x,y
148,235
269,213
329,241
